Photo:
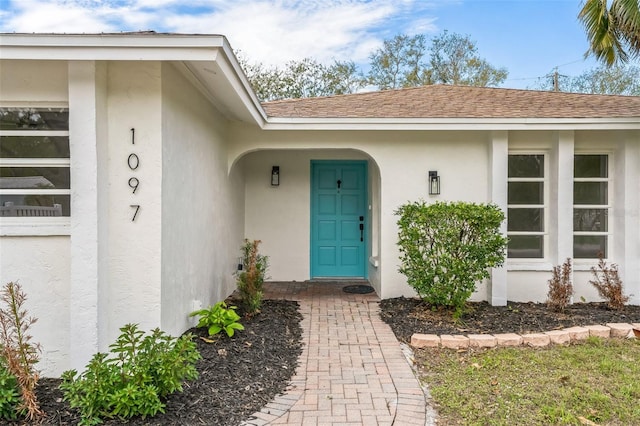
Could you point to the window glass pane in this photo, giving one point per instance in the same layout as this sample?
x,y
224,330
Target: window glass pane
x,y
590,193
34,205
594,220
523,220
34,147
34,178
589,246
526,193
526,165
590,166
525,246
34,119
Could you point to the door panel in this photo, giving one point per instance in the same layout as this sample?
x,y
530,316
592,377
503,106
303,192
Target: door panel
x,y
338,209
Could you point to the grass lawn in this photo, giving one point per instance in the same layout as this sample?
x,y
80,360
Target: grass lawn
x,y
594,382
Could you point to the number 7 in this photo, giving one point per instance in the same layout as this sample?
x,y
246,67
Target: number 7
x,y
137,207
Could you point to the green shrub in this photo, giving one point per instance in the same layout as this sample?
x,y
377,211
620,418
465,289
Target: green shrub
x,y
9,393
218,317
252,276
133,377
446,247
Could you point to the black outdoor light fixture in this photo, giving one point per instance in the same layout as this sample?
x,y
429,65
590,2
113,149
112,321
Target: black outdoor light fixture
x,y
434,183
275,176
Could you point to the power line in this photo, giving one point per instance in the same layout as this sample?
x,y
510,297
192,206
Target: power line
x,y
554,75
569,63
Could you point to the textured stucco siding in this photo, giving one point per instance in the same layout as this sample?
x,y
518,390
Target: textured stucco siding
x,y
202,204
41,266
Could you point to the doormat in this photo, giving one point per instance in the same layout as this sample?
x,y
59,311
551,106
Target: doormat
x,y
358,289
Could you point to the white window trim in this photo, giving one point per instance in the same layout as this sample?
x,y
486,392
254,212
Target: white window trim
x,y
35,226
533,263
586,264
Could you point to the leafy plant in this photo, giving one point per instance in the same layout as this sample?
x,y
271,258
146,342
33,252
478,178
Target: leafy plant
x,y
251,279
445,248
219,317
560,287
9,394
18,351
133,377
608,283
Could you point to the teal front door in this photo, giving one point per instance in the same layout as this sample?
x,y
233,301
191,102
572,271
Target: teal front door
x,y
338,212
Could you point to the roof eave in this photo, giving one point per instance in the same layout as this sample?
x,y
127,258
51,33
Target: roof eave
x,y
212,66
363,124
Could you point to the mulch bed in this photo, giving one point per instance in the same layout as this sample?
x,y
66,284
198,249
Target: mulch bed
x,y
238,376
407,316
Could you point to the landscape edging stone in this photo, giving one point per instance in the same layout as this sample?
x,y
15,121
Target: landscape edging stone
x,y
563,336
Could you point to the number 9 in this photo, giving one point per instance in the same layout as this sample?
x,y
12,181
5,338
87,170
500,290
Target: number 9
x,y
133,184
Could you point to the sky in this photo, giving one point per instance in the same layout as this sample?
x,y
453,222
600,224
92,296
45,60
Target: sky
x,y
527,37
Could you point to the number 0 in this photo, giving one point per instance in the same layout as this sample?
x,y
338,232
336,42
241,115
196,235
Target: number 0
x,y
133,161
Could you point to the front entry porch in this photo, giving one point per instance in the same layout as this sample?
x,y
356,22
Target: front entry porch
x,y
321,220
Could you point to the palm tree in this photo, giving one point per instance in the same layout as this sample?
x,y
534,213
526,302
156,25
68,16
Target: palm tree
x,y
613,32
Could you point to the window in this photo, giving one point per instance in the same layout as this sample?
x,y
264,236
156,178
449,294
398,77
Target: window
x,y
34,162
526,206
590,206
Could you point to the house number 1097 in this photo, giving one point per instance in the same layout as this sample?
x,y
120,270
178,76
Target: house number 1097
x,y
133,161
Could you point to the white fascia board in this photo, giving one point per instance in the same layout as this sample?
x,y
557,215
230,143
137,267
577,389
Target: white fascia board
x,y
117,47
237,78
111,40
275,123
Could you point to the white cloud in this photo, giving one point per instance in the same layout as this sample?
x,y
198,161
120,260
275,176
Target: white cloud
x,y
41,16
267,31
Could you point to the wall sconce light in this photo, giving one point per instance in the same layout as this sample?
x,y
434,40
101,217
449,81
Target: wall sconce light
x,y
434,183
275,176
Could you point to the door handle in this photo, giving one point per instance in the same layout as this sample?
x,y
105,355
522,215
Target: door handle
x,y
362,232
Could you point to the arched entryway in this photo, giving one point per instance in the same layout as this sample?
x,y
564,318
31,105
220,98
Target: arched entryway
x,y
281,215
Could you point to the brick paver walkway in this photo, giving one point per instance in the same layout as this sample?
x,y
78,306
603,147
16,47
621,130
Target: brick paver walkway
x,y
352,370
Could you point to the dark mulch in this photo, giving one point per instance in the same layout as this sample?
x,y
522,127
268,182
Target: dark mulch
x,y
407,316
238,376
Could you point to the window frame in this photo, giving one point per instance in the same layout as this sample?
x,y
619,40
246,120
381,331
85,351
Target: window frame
x,y
40,225
545,206
608,207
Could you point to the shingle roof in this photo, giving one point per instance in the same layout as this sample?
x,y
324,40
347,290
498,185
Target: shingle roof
x,y
441,101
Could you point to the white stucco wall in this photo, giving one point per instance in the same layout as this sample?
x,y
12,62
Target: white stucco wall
x,y
202,205
41,266
133,292
33,81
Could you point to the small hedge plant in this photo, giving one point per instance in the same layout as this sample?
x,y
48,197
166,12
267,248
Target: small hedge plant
x,y
606,280
446,247
133,378
251,279
560,287
9,393
219,317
